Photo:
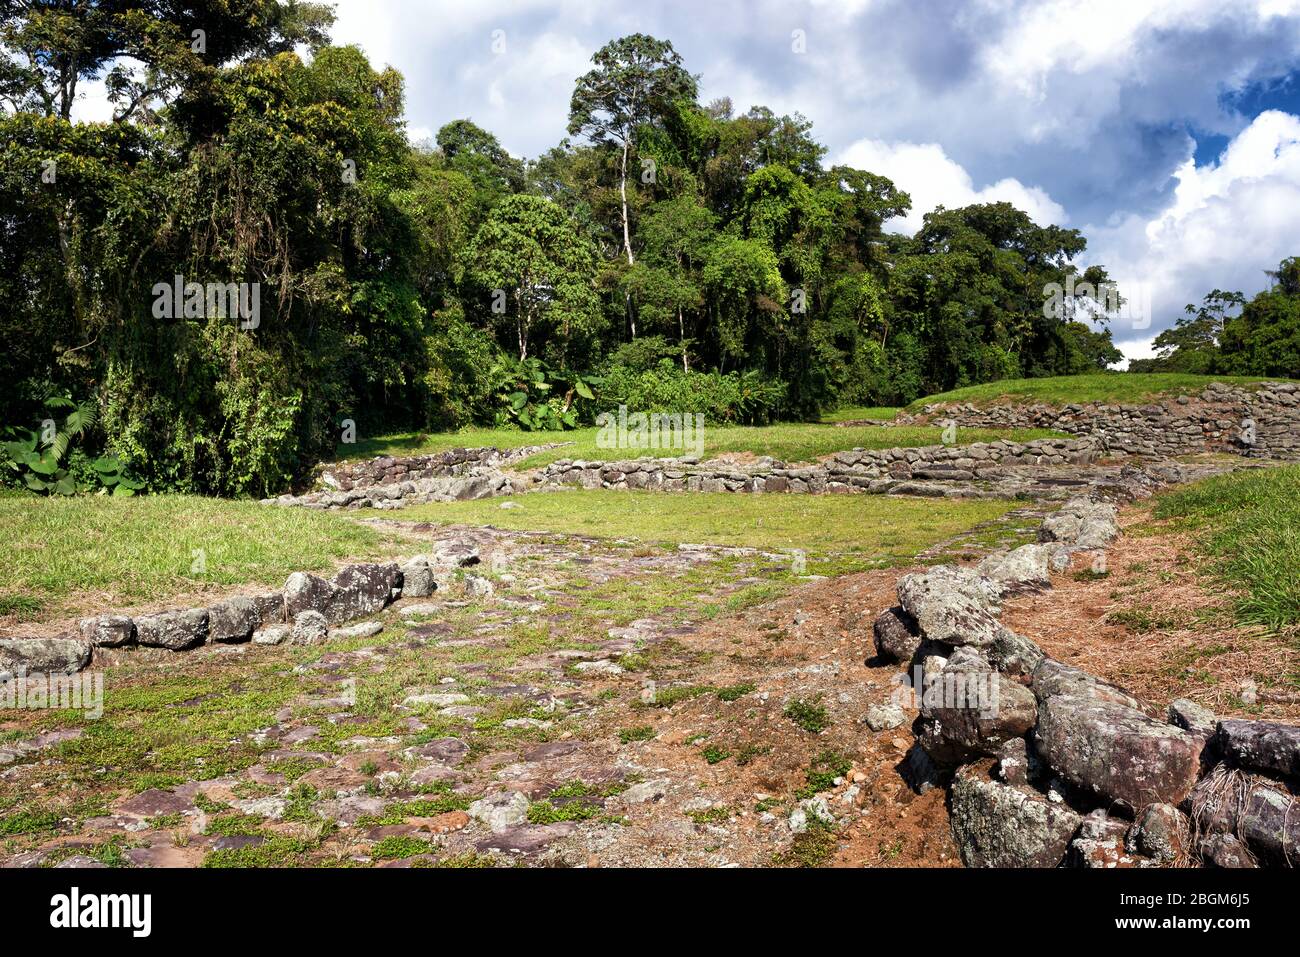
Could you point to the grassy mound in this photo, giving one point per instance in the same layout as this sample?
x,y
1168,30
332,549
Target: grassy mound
x,y
1127,388
789,441
1249,523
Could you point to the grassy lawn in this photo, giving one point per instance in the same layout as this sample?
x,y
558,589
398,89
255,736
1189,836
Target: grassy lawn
x,y
848,531
1249,523
789,442
58,552
853,413
1118,387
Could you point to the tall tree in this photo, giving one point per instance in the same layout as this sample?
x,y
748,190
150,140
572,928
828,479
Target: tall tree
x,y
528,247
637,80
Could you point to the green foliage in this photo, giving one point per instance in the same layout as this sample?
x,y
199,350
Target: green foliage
x,y
1249,524
703,260
1230,334
46,461
809,715
537,398
735,397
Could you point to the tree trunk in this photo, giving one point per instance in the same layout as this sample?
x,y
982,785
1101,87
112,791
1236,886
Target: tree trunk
x,y
627,233
681,336
521,326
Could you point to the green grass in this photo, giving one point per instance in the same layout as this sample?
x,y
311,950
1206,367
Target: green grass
x,y
857,412
124,550
790,442
872,529
1249,523
1116,387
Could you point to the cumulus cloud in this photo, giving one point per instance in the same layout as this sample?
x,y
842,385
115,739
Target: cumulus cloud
x,y
933,179
1225,223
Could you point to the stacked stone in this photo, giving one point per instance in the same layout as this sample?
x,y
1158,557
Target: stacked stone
x,y
859,470
1216,418
303,612
392,470
473,483
1065,768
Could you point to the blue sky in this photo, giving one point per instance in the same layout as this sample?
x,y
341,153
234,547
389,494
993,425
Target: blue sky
x,y
1166,130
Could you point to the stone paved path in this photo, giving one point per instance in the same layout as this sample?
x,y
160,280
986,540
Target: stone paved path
x,y
608,704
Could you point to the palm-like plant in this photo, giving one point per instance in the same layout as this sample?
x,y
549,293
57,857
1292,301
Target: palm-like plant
x,y
39,458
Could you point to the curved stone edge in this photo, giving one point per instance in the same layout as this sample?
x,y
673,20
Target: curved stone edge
x,y
1066,769
303,612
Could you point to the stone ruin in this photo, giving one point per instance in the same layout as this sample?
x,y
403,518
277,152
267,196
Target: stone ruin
x,y
1066,769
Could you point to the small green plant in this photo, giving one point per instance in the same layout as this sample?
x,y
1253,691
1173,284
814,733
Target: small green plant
x,y
809,715
399,847
640,733
823,772
1090,575
714,754
733,692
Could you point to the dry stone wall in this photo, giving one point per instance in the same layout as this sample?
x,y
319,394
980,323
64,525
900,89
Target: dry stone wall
x,y
307,610
1047,765
1262,421
392,470
859,470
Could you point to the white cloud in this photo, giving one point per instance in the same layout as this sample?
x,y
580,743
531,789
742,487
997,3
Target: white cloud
x,y
933,179
1225,224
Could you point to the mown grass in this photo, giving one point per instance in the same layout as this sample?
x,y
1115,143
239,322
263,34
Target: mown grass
x,y
789,442
1118,387
856,412
1249,523
124,550
873,529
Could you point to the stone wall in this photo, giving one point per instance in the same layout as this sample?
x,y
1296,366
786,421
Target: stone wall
x,y
307,610
391,470
860,470
1213,419
1048,765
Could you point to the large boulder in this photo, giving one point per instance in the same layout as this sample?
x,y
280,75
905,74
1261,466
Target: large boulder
x,y
309,628
1004,825
1081,523
969,710
1052,678
176,630
1265,746
1100,843
417,578
951,605
107,631
233,620
43,655
1193,718
1160,832
269,607
1014,654
1027,568
304,591
1117,752
1256,810
455,553
361,590
896,635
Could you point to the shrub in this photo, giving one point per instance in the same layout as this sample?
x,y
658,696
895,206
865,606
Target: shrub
x,y
748,398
